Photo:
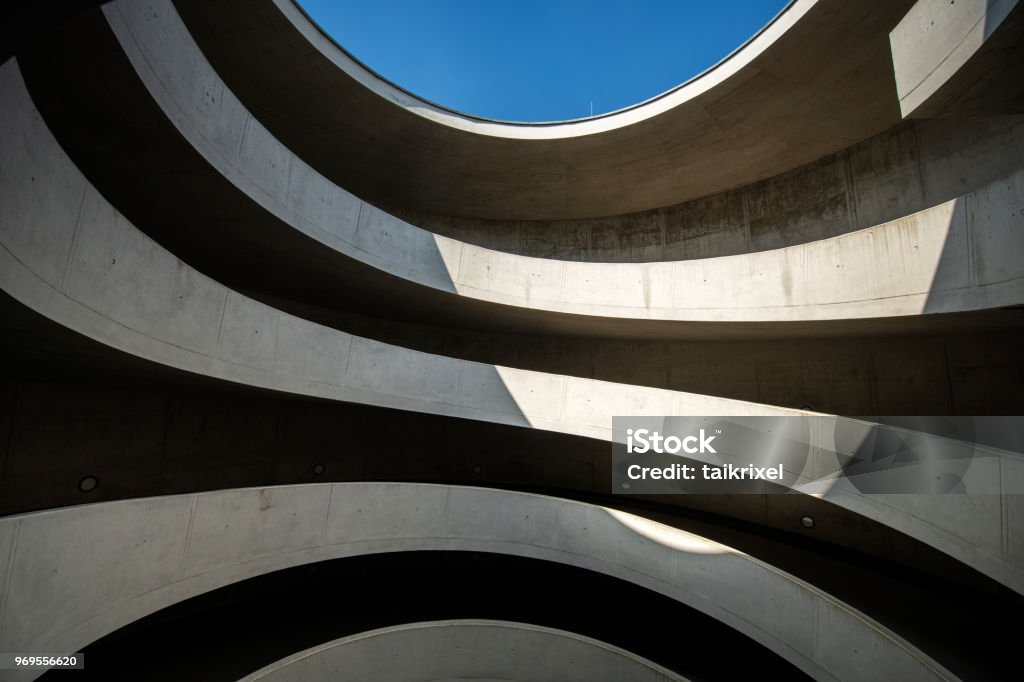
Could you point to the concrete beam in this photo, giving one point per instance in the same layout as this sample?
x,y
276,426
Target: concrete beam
x,y
70,256
940,260
464,649
123,142
816,80
959,58
70,580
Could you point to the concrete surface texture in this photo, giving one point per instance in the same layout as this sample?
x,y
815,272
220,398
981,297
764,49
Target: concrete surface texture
x,y
957,57
168,549
816,80
233,260
65,246
465,650
70,256
892,174
905,169
935,261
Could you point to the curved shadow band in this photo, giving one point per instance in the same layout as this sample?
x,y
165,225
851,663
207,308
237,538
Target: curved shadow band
x,y
936,261
677,147
70,256
168,549
474,649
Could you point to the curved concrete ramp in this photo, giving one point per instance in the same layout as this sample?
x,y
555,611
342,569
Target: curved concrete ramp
x,y
734,124
70,256
186,259
959,57
465,650
940,260
168,549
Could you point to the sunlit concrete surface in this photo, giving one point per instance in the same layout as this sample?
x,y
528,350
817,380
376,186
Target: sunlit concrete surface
x,y
71,256
465,650
232,257
855,185
815,80
959,57
80,263
925,262
904,170
170,548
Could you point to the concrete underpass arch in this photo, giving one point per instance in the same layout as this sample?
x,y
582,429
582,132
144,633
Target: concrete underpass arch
x,y
168,549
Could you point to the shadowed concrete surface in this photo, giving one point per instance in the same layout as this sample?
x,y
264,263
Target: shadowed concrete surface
x,y
911,167
235,258
475,650
26,21
709,368
271,616
816,80
63,256
959,58
926,256
178,547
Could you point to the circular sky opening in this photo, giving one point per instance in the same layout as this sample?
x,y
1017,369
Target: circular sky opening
x,y
540,60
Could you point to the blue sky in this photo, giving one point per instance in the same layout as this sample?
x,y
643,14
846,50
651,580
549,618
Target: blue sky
x,y
532,60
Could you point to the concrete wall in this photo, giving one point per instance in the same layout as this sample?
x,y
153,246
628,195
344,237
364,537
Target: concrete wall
x,y
168,549
925,218
941,51
972,367
891,175
465,649
924,262
70,256
941,365
762,111
143,442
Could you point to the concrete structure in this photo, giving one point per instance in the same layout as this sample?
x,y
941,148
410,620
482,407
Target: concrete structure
x,y
431,651
957,58
215,291
228,536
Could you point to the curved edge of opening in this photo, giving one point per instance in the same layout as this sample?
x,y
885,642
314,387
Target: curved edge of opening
x,y
738,57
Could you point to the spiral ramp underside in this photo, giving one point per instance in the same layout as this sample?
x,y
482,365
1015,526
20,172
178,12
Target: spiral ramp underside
x,y
296,391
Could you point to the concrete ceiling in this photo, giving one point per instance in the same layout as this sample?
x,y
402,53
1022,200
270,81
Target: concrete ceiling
x,y
815,81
